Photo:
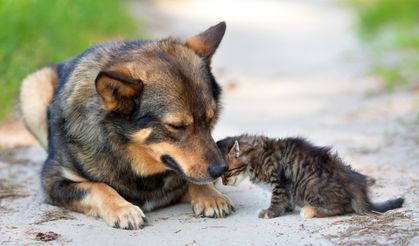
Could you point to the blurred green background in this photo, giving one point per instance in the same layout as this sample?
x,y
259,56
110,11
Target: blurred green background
x,y
37,32
391,27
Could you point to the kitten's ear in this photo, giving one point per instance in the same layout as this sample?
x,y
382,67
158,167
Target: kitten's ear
x,y
235,150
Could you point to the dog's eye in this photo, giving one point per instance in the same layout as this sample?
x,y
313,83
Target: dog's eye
x,y
176,127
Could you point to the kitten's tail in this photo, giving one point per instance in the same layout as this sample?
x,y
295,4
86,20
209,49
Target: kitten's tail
x,y
387,205
364,206
361,203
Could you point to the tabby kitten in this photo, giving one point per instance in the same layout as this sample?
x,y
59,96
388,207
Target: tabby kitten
x,y
299,173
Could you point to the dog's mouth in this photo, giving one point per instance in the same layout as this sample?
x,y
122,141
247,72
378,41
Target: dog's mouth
x,y
172,164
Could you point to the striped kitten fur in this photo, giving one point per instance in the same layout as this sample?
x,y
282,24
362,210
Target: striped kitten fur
x,y
299,173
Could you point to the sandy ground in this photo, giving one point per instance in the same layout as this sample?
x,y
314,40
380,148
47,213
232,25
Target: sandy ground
x,y
287,68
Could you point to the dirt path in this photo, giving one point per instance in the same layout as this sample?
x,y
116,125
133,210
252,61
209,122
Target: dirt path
x,y
287,68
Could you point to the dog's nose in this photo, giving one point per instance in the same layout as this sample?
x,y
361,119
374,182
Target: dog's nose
x,y
217,170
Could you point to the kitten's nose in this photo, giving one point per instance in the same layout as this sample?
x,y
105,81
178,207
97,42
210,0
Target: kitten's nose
x,y
216,170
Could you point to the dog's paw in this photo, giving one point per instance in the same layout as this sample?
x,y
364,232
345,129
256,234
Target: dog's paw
x,y
125,216
217,206
308,212
266,214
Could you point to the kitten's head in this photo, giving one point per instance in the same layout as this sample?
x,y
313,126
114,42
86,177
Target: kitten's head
x,y
236,152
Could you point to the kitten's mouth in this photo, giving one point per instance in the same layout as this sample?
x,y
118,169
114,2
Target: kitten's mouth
x,y
229,182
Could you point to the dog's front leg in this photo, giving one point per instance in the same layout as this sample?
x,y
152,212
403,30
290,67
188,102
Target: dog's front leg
x,y
98,199
206,201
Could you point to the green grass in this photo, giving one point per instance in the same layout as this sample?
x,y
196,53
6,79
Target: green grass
x,y
34,33
392,27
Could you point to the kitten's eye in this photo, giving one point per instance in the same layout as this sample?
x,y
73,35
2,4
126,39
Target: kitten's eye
x,y
176,126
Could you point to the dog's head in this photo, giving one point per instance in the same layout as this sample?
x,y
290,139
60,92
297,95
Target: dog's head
x,y
162,101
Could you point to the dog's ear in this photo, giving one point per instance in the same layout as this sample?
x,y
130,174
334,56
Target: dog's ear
x,y
118,90
205,43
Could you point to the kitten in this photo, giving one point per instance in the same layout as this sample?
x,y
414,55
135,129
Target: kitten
x,y
299,173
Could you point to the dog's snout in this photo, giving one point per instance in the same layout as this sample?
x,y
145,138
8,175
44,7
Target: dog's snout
x,y
217,170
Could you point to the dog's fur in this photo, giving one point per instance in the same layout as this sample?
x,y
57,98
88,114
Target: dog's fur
x,y
127,125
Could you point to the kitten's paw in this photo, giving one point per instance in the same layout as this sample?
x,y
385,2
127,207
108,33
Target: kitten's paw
x,y
125,216
308,212
266,214
217,206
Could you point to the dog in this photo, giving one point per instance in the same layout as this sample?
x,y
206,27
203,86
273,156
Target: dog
x,y
127,126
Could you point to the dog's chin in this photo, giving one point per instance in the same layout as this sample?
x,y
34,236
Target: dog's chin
x,y
197,181
194,180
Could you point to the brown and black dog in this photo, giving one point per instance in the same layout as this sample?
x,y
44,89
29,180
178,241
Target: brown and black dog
x,y
128,128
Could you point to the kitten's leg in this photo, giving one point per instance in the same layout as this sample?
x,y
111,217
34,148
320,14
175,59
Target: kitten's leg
x,y
279,203
332,199
310,212
290,207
